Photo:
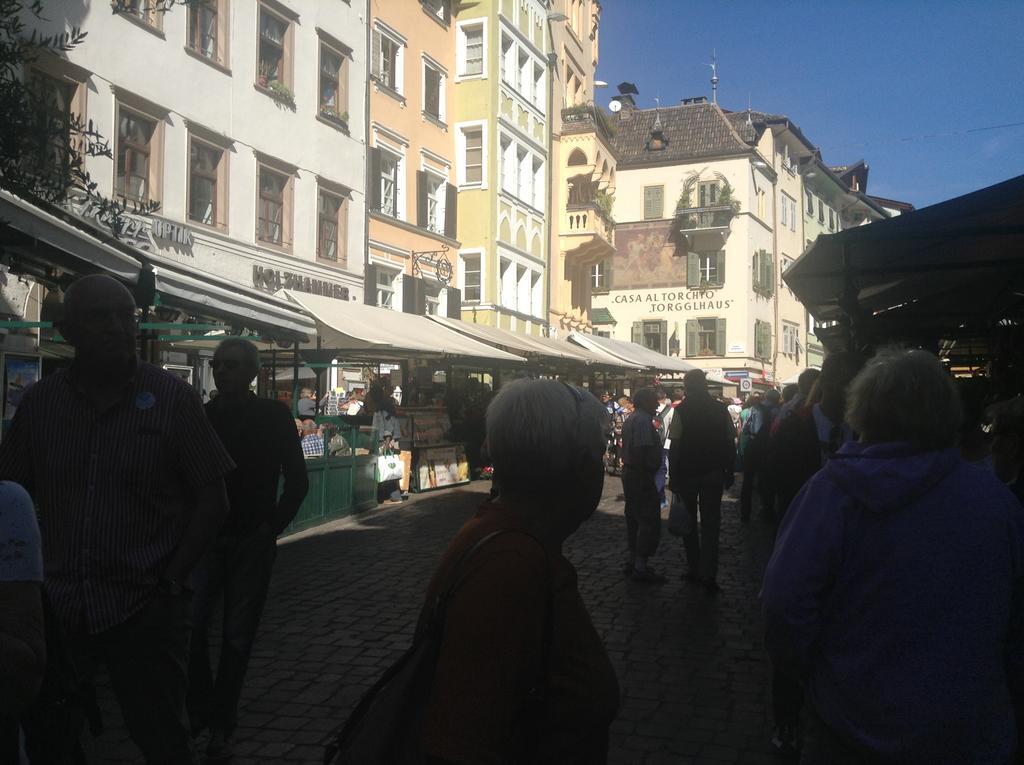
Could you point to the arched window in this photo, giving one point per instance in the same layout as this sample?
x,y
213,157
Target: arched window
x,y
577,157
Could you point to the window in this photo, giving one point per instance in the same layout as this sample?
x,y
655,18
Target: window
x,y
433,91
821,211
522,289
506,280
536,293
764,273
705,269
783,213
654,335
439,9
333,85
810,203
831,219
389,183
386,287
432,203
472,155
508,165
53,101
206,35
790,338
762,204
762,339
331,236
707,194
387,60
539,88
705,337
508,60
142,10
274,58
273,220
471,277
207,184
792,214
136,178
471,50
654,202
599,276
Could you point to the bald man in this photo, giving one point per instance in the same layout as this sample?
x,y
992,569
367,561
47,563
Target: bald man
x,y
127,474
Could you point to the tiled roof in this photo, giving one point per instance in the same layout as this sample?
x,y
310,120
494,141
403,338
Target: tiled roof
x,y
693,131
601,316
746,123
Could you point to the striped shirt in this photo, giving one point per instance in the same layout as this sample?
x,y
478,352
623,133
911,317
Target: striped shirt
x,y
115,489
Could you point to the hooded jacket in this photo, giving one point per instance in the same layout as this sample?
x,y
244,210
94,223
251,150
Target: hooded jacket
x,y
895,590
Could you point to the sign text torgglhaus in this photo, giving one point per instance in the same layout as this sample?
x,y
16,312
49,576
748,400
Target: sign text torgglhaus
x,y
683,300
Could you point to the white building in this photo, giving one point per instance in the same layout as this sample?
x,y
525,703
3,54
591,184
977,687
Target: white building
x,y
244,120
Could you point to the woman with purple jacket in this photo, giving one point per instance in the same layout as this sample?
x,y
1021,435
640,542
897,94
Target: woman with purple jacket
x,y
894,591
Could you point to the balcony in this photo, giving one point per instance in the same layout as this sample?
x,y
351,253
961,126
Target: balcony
x,y
587,118
705,227
587,234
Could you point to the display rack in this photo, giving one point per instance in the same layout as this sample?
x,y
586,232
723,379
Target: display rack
x,y
437,461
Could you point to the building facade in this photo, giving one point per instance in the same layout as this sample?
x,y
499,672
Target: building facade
x,y
711,211
501,129
261,180
582,235
412,212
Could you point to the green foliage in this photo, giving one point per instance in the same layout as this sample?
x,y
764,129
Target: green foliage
x,y
281,92
605,202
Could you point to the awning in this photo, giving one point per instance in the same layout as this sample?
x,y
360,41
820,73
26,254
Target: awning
x,y
601,316
349,326
272,317
550,350
947,268
633,354
37,237
794,378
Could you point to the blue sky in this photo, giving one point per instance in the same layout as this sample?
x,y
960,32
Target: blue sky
x,y
869,80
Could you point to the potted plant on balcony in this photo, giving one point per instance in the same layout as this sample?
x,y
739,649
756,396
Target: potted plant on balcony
x,y
605,202
330,113
281,92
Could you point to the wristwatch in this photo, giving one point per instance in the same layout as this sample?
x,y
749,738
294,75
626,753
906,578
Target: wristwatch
x,y
170,586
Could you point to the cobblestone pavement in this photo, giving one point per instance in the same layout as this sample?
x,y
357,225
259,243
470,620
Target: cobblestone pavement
x,y
345,597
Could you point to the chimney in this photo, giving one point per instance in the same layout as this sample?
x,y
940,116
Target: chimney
x,y
627,104
693,100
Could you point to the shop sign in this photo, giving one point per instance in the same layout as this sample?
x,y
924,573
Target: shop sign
x,y
681,301
148,233
272,280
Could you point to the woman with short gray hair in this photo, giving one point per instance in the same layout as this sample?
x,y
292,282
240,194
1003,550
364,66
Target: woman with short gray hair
x,y
894,588
546,440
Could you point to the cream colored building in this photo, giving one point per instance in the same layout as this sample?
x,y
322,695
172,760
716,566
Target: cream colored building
x,y
244,120
707,205
582,221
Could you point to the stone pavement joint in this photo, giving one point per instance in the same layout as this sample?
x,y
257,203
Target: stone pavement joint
x,y
345,598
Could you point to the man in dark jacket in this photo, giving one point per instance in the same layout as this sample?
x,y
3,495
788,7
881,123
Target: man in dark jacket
x,y
641,459
701,461
260,437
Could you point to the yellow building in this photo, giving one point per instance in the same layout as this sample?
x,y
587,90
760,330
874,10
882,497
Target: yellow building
x,y
502,102
411,192
582,222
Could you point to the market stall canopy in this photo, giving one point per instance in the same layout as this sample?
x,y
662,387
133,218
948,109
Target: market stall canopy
x,y
549,350
945,267
37,237
349,326
633,354
794,378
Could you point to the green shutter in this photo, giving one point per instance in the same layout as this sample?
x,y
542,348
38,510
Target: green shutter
x,y
664,337
637,334
770,268
654,202
691,337
757,270
692,269
719,337
721,267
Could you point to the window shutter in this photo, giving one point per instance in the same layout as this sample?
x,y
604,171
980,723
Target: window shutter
x,y
421,198
691,337
757,270
692,269
664,337
637,335
370,284
375,55
770,273
451,209
374,178
720,257
719,337
654,205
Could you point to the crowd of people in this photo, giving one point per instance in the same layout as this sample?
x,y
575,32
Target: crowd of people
x,y
893,600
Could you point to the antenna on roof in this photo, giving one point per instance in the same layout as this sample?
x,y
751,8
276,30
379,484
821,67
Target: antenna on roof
x,y
750,118
657,114
714,76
